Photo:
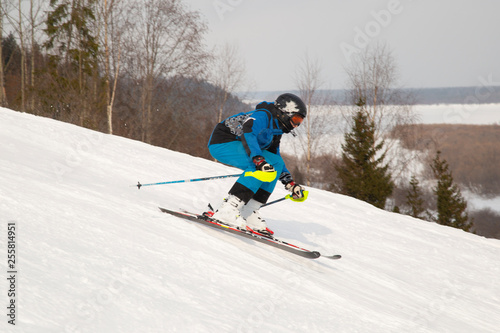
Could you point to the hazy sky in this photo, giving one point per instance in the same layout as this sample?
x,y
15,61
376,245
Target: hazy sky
x,y
436,43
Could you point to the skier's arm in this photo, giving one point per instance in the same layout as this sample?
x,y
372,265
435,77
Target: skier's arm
x,y
251,129
286,177
275,149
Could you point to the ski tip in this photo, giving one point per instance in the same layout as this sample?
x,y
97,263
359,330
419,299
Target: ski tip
x,y
334,256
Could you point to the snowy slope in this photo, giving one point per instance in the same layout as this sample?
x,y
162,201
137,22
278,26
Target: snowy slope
x,y
96,255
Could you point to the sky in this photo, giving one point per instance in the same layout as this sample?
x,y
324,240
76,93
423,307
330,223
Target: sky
x,y
445,43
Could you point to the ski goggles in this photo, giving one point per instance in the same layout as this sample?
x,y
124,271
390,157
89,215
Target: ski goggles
x,y
296,119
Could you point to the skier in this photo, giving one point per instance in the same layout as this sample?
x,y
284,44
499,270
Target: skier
x,y
251,141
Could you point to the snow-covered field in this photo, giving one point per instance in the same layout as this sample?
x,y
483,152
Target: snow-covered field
x,y
94,254
476,202
332,125
472,114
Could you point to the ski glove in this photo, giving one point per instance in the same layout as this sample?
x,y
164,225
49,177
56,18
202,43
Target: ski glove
x,y
262,165
297,190
286,178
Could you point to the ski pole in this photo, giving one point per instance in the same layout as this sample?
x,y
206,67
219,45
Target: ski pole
x,y
288,196
260,175
139,185
275,201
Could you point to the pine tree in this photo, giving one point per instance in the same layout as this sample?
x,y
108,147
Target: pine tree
x,y
414,199
361,173
69,31
74,86
451,206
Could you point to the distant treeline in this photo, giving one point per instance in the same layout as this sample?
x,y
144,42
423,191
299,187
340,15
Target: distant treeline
x,y
451,95
472,151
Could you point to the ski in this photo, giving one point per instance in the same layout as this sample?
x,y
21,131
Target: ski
x,y
205,220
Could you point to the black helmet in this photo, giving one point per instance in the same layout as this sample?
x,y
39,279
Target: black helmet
x,y
293,111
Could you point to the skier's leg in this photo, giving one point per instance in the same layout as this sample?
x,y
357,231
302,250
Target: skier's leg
x,y
249,190
233,153
251,210
278,164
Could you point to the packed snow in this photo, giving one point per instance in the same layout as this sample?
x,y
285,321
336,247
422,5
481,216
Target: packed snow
x,y
94,253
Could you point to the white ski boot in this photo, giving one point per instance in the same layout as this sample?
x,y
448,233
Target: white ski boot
x,y
230,212
253,219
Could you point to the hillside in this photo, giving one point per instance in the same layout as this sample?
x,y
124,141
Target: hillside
x,y
94,254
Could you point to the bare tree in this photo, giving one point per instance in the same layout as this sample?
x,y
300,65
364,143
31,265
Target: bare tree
x,y
36,7
3,96
20,32
372,81
228,74
24,20
309,80
113,24
105,14
165,42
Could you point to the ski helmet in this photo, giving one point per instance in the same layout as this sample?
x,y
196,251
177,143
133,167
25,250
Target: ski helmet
x,y
293,110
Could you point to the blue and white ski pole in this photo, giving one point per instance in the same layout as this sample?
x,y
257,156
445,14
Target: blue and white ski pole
x,y
139,185
260,175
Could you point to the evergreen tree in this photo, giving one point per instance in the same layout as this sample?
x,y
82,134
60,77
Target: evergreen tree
x,y
72,86
414,199
362,175
451,206
69,31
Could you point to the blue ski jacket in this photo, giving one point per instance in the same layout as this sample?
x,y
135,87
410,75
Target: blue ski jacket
x,y
257,130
